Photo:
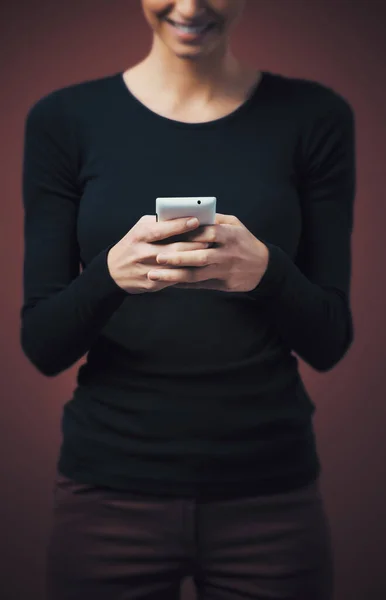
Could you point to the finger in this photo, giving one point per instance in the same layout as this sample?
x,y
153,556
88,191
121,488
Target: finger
x,y
184,247
175,247
207,233
179,275
160,230
194,258
221,219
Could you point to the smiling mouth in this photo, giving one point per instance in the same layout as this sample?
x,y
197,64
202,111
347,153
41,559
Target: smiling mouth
x,y
192,29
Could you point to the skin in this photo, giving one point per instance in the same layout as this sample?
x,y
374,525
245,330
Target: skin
x,y
192,79
236,264
224,14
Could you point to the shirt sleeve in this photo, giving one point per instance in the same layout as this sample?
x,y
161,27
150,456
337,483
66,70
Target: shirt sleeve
x,y
309,298
63,309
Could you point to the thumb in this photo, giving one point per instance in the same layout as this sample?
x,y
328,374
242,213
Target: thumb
x,y
226,219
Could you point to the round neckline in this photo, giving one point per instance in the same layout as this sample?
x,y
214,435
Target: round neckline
x,y
253,95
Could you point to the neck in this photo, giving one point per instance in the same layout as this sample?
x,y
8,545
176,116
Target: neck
x,y
187,78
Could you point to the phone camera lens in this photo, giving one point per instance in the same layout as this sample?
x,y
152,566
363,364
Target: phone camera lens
x,y
198,201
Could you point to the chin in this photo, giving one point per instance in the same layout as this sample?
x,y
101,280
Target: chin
x,y
192,52
189,54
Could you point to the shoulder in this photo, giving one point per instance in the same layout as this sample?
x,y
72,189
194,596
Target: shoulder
x,y
70,99
311,98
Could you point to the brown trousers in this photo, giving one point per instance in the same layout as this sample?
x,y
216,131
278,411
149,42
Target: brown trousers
x,y
118,545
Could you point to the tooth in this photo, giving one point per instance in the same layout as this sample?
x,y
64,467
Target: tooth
x,y
191,29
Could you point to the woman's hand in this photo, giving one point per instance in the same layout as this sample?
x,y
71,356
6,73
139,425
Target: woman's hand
x,y
130,260
236,263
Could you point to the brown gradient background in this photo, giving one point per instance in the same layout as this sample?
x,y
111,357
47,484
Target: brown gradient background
x,y
47,44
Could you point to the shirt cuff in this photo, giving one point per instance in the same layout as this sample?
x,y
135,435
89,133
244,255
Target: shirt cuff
x,y
104,285
272,282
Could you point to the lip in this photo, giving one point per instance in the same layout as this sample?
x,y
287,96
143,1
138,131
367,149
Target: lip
x,y
190,23
190,37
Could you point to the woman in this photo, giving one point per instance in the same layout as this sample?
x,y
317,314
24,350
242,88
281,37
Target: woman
x,y
188,445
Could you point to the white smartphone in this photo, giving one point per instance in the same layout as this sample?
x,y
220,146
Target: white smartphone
x,y
202,207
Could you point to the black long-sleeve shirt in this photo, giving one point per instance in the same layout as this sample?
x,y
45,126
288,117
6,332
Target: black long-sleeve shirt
x,y
188,391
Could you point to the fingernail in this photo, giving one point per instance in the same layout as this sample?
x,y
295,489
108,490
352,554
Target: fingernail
x,y
192,222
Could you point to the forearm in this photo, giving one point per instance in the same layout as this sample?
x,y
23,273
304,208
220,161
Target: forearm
x,y
58,330
314,321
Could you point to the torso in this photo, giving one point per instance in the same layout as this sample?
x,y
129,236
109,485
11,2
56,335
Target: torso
x,y
192,112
